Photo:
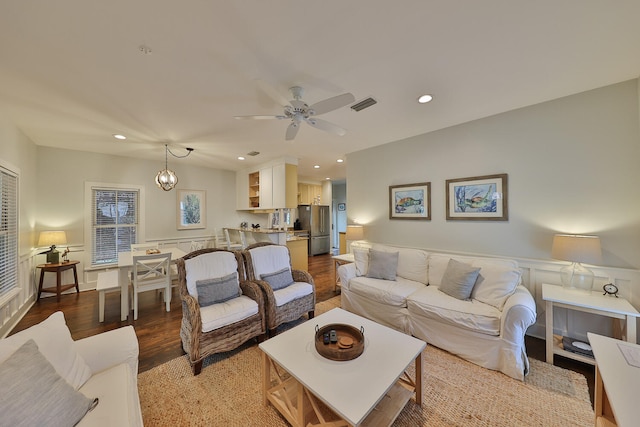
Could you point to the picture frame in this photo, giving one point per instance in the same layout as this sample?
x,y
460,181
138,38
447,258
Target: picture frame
x,y
191,209
342,206
478,198
410,201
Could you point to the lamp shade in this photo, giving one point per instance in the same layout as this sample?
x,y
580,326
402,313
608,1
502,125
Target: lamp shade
x,y
576,248
355,232
52,238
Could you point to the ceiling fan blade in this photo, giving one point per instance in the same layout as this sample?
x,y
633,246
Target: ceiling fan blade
x,y
331,104
259,117
326,126
292,131
272,93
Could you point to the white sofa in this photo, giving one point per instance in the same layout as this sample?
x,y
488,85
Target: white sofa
x,y
487,328
49,384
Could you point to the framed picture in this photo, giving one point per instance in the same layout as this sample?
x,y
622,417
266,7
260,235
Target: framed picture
x,y
341,206
480,198
191,209
410,201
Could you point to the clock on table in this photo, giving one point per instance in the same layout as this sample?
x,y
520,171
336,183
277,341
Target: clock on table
x,y
610,289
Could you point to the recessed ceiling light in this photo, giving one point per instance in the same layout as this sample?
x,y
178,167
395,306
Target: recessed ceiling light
x,y
316,166
425,98
118,136
240,158
339,160
328,179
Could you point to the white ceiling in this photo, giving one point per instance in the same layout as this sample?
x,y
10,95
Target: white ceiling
x,y
72,73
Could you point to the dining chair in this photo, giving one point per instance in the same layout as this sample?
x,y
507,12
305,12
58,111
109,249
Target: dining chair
x,y
136,247
151,272
234,245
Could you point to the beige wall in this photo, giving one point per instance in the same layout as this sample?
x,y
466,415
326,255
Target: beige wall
x,y
572,165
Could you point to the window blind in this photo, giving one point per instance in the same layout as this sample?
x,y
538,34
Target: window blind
x,y
8,230
114,223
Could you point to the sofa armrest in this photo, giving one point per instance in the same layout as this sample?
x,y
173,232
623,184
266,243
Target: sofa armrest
x,y
518,313
346,272
109,349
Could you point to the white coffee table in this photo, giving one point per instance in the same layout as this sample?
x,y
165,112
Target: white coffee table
x,y
351,389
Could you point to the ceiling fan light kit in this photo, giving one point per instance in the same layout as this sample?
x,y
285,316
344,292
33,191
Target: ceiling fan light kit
x,y
299,111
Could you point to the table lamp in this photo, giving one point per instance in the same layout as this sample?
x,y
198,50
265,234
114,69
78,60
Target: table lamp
x,y
577,249
354,232
52,238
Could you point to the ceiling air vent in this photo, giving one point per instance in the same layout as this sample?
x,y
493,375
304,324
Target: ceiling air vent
x,y
364,104
253,153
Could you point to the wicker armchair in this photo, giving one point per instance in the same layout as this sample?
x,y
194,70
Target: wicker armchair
x,y
198,341
263,258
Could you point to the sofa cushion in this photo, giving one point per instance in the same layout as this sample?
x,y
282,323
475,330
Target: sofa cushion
x,y
499,282
117,392
438,265
216,290
54,341
413,264
208,265
278,279
361,260
382,265
458,279
431,303
225,313
389,292
33,394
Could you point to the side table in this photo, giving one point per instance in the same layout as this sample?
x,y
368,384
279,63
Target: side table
x,y
617,308
58,269
339,260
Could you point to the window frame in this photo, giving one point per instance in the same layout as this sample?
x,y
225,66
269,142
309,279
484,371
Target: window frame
x,y
89,219
11,270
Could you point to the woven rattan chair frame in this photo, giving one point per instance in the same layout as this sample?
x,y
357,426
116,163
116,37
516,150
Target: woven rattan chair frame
x,y
290,311
197,344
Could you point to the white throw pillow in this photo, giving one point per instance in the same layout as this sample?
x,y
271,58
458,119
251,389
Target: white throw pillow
x,y
361,258
499,283
54,341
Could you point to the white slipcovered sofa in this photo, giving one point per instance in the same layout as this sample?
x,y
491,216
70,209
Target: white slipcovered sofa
x,y
49,379
412,292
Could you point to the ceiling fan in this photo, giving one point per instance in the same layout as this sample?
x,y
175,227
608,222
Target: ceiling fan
x,y
299,111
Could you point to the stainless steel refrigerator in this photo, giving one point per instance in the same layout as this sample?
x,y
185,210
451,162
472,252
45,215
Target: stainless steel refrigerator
x,y
315,218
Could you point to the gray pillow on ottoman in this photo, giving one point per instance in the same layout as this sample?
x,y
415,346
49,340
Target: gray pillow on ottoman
x,y
458,279
33,394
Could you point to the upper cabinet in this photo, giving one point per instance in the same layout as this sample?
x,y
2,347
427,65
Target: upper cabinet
x,y
309,193
270,186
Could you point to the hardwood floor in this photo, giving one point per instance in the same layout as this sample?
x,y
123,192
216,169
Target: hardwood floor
x,y
158,332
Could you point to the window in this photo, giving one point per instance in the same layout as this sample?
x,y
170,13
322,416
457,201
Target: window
x,y
115,221
8,230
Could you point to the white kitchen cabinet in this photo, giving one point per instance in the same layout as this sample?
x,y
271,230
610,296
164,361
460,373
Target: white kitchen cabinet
x,y
269,186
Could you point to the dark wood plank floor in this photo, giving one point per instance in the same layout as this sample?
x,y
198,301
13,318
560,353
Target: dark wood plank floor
x,y
158,332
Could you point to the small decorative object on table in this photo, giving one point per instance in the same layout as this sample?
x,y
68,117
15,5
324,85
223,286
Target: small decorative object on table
x,y
153,251
340,342
610,289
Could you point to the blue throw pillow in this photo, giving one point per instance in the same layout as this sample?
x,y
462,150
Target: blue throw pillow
x,y
278,279
221,289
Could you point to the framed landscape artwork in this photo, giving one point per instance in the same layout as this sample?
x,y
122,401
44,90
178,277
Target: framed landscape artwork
x,y
191,209
480,198
410,201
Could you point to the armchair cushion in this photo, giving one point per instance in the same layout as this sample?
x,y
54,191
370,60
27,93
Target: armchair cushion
x,y
34,394
279,279
292,292
208,265
225,313
221,289
458,279
55,343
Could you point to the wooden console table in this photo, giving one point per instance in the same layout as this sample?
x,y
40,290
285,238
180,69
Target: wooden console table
x,y
58,269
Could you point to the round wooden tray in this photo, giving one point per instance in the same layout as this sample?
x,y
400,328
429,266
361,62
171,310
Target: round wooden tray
x,y
333,351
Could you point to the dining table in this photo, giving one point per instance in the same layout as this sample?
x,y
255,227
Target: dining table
x,y
125,264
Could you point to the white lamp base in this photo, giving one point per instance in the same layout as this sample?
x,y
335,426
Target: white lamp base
x,y
578,277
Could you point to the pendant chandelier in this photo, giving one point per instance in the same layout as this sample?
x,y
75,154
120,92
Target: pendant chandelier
x,y
166,179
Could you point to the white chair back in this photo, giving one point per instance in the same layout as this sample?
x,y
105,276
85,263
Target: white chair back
x,y
234,245
151,272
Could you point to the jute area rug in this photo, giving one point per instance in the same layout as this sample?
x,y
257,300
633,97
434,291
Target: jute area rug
x,y
228,392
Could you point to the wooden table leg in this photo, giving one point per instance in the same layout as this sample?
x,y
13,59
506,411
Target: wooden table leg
x,y
75,278
40,285
58,284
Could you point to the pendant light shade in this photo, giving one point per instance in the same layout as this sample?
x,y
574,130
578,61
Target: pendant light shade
x,y
166,179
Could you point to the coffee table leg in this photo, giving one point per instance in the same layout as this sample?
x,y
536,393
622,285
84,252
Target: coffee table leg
x,y
266,378
419,379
